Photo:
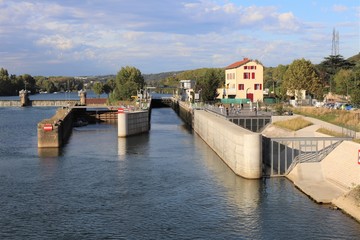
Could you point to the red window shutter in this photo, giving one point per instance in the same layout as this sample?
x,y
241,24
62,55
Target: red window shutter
x,y
253,75
260,86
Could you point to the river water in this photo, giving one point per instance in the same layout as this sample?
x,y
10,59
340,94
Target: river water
x,y
167,184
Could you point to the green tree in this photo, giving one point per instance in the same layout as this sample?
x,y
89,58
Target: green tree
x,y
342,80
107,88
278,76
29,82
302,75
268,77
209,83
128,81
98,88
49,86
330,66
111,83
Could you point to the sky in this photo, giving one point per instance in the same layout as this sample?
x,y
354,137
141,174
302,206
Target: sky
x,y
98,37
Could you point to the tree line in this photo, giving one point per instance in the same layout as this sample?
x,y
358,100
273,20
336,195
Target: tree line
x,y
10,84
334,74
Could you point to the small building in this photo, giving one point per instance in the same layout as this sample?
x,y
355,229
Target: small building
x,y
299,97
187,90
244,80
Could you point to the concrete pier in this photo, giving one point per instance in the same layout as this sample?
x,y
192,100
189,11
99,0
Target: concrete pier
x,y
239,148
54,132
132,123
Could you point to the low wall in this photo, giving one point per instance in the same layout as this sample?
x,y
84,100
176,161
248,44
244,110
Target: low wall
x,y
55,103
10,103
239,148
132,123
39,103
54,132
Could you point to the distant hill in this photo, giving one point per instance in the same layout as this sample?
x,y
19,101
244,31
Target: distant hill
x,y
159,76
355,58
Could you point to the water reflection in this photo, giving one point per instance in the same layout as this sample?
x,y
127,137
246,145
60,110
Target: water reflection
x,y
133,145
46,153
244,193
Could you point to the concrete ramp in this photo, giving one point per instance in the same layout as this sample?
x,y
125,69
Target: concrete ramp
x,y
308,177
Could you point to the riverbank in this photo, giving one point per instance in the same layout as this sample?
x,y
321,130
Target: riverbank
x,y
331,181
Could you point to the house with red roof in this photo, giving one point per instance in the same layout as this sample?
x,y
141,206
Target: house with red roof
x,y
244,80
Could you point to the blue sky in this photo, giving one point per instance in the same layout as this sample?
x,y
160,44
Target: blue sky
x,y
95,37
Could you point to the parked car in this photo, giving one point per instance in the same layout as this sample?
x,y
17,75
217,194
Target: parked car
x,y
329,105
347,106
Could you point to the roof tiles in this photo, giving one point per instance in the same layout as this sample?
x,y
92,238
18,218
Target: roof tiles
x,y
238,64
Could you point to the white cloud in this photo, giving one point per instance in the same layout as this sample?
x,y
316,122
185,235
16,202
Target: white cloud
x,y
57,42
287,21
340,8
162,34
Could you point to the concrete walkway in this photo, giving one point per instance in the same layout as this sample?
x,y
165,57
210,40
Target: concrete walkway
x,y
332,180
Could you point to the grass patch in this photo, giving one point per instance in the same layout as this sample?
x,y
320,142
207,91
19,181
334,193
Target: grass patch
x,y
293,124
343,118
330,132
335,134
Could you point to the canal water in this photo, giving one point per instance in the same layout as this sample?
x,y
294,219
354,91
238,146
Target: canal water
x,y
167,184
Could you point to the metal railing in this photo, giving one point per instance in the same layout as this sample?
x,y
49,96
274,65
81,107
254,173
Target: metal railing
x,y
235,111
281,155
252,120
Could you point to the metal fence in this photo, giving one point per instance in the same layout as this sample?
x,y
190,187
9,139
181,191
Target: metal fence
x,y
252,120
246,110
280,155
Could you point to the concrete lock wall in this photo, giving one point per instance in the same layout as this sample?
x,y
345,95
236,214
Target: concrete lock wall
x,y
131,123
53,132
239,148
185,113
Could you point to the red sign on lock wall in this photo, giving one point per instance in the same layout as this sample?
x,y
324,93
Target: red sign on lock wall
x,y
48,127
120,110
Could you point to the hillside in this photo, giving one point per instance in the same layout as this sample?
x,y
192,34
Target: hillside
x,y
159,76
355,58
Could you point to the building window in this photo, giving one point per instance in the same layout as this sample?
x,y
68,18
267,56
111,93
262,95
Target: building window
x,y
258,86
246,75
233,75
241,87
245,67
253,75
